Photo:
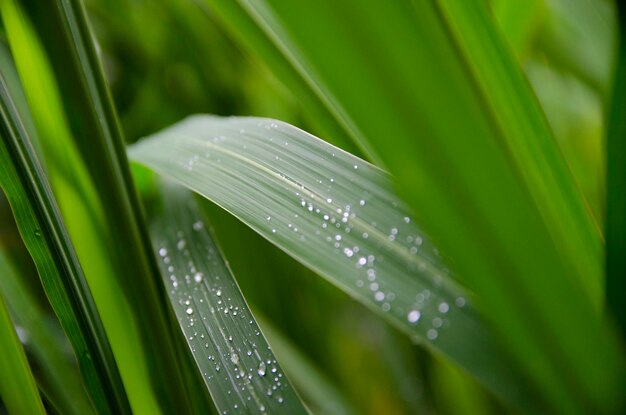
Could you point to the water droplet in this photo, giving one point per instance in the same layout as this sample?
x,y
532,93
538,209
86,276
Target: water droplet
x,y
261,369
407,219
198,226
379,296
443,308
189,311
280,399
37,233
234,358
218,293
362,261
329,200
362,202
460,302
431,334
198,277
162,252
181,244
414,316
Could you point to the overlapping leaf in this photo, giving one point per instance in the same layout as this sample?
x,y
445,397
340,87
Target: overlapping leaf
x,y
236,363
337,215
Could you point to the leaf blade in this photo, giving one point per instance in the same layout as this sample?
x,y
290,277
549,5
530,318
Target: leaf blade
x,y
302,194
236,363
43,232
17,386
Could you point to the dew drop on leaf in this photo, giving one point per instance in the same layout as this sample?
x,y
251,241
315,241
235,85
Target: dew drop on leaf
x,y
261,369
413,316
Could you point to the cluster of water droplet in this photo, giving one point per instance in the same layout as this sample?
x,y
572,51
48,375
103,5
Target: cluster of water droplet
x,y
332,210
216,322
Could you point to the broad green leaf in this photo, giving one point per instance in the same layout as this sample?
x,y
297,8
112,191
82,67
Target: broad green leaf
x,y
337,215
57,375
43,232
236,363
85,160
18,389
616,186
431,89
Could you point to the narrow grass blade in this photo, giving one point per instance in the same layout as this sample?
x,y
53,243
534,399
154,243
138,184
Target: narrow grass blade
x,y
236,363
57,375
43,232
337,215
433,91
86,161
616,186
18,389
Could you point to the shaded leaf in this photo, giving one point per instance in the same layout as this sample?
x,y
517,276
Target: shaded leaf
x,y
236,363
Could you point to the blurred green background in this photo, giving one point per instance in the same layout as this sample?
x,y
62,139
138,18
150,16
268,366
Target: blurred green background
x,y
167,59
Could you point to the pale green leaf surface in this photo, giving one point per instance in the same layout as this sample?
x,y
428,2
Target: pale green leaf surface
x,y
337,215
236,363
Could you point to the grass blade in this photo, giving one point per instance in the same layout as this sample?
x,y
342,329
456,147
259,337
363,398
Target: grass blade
x,y
451,88
234,358
57,376
42,230
616,185
337,215
18,389
85,157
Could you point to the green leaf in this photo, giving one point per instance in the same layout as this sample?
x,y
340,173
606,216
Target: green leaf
x,y
578,38
18,389
38,219
431,89
259,43
57,374
236,363
520,21
85,158
337,215
616,185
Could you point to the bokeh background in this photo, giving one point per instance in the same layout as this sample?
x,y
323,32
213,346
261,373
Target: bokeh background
x,y
166,59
